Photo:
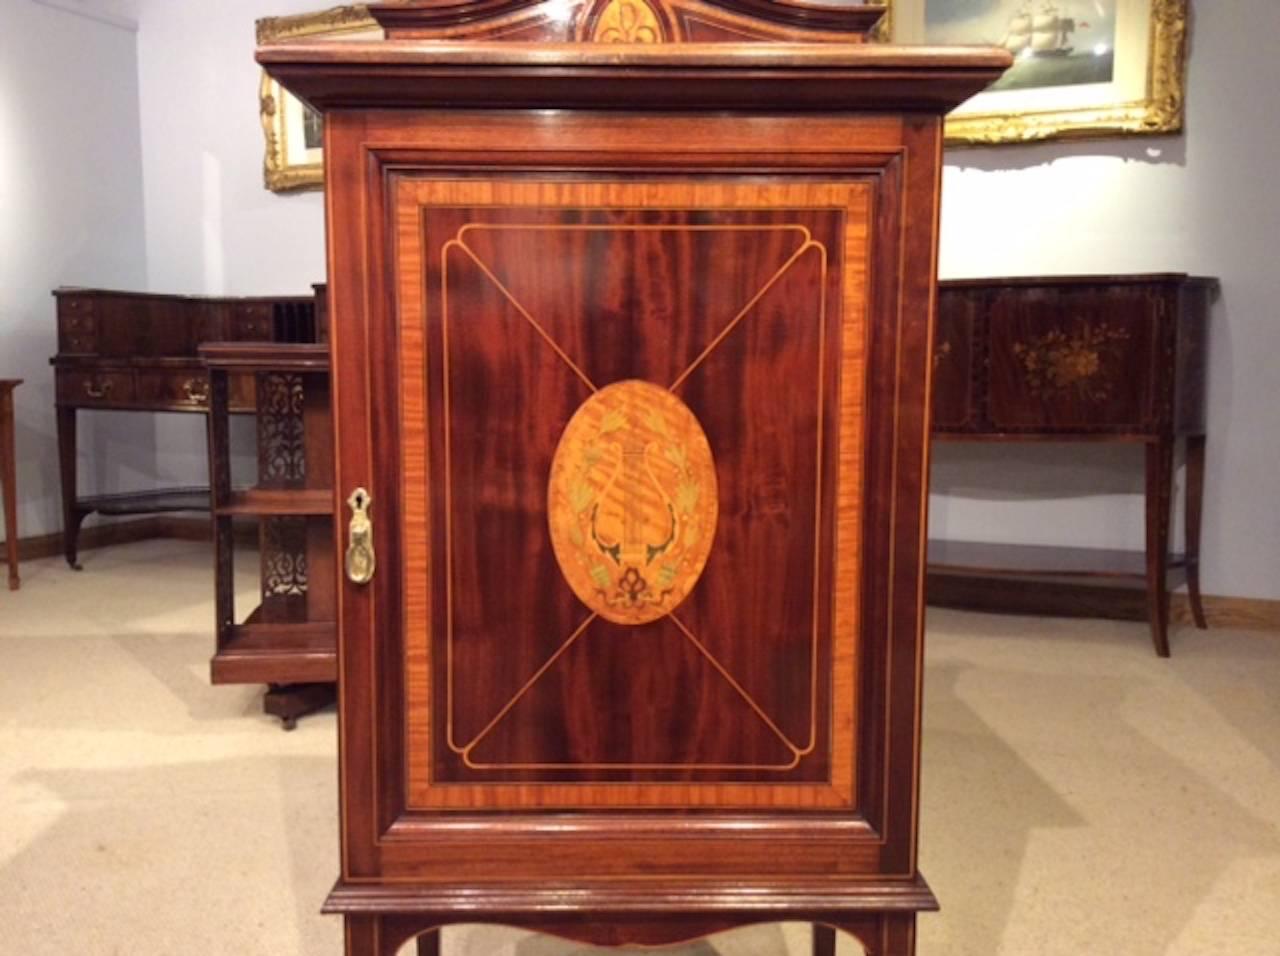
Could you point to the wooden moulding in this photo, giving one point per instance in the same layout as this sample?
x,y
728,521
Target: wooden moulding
x,y
616,898
692,76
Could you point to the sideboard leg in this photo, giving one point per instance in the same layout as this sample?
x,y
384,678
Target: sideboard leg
x,y
1195,510
824,940
1158,499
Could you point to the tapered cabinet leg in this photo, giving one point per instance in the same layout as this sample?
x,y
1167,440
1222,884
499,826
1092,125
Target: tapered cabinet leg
x,y
1158,495
1195,510
366,936
361,936
429,943
885,934
384,935
824,940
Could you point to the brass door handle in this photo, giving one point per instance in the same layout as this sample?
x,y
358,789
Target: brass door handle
x,y
360,561
97,389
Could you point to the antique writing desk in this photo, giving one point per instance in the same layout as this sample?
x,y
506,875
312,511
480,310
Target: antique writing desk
x,y
136,351
631,334
1080,359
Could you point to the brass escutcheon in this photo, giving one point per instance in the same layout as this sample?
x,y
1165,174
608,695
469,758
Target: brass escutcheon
x,y
360,561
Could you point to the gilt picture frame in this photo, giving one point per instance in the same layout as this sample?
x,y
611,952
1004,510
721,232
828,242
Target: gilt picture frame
x,y
1084,68
294,159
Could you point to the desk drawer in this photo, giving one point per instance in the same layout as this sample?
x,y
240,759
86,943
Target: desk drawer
x,y
95,388
77,325
180,388
251,322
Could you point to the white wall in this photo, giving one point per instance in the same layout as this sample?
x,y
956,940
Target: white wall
x,y
211,227
70,214
1205,203
1200,203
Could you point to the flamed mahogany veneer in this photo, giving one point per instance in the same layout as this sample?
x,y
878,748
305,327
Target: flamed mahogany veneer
x,y
632,305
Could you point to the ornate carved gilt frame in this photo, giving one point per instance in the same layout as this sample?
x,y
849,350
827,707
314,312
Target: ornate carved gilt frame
x,y
1159,110
286,170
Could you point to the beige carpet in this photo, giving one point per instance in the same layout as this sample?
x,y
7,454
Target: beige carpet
x,y
1081,796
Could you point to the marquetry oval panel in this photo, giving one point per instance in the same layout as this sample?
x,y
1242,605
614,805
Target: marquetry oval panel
x,y
632,502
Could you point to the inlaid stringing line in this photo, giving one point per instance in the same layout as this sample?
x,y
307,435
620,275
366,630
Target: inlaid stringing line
x,y
746,309
751,701
555,347
569,641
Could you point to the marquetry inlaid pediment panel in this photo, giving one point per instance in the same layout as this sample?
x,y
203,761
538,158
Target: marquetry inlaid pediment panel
x,y
626,21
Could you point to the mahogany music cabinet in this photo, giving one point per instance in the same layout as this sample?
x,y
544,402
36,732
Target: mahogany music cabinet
x,y
630,334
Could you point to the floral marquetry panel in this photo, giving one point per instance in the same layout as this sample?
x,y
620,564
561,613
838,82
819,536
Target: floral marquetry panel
x,y
1069,359
624,561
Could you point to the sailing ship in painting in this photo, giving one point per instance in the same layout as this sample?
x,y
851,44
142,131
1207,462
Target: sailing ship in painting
x,y
1043,32
1054,42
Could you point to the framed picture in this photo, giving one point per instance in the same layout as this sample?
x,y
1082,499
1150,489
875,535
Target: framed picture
x,y
295,133
1083,67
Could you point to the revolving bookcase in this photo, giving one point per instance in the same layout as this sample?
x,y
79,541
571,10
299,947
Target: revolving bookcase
x,y
630,314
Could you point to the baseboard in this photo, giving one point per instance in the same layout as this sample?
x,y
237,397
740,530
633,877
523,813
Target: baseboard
x,y
1072,599
124,532
992,594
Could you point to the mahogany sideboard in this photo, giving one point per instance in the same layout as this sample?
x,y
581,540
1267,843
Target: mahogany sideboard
x,y
1084,359
135,351
631,311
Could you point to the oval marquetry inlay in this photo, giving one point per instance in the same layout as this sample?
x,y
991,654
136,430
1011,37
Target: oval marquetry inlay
x,y
632,502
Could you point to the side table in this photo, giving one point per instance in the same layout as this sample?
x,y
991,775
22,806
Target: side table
x,y
9,476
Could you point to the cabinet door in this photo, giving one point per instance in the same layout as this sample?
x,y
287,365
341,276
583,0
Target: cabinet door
x,y
1073,358
954,350
621,406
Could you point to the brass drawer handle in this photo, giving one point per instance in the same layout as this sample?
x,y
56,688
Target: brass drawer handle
x,y
196,390
97,389
360,561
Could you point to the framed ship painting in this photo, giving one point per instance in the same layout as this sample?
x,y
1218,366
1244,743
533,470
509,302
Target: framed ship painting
x,y
294,133
1083,67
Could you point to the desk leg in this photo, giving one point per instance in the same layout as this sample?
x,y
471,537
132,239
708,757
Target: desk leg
x,y
9,481
72,516
1158,500
1195,507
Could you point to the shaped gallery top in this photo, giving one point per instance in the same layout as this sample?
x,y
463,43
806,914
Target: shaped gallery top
x,y
629,55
